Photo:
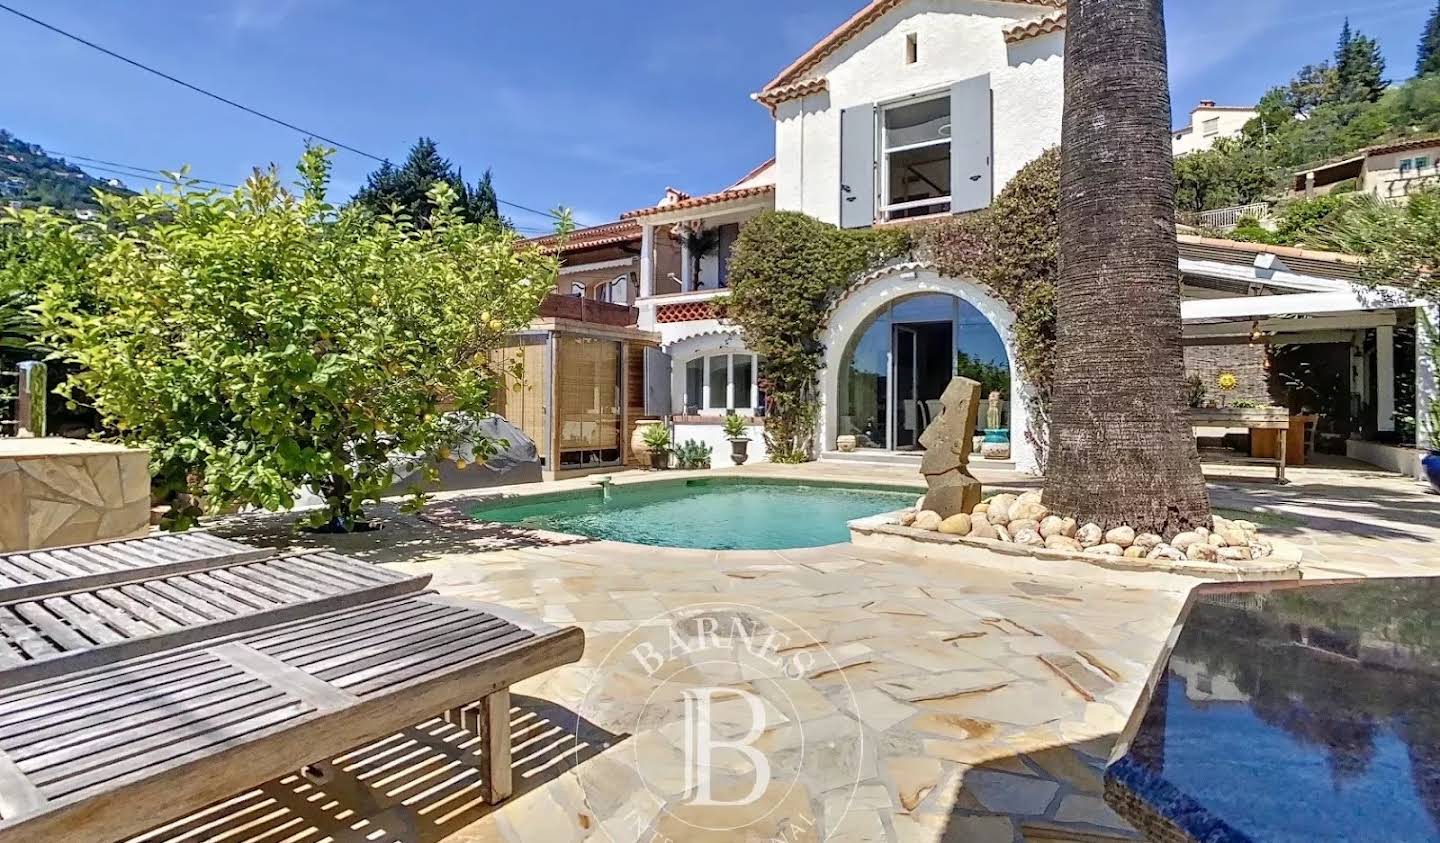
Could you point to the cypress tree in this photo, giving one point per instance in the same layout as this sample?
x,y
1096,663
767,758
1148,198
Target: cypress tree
x,y
407,187
1359,67
1428,60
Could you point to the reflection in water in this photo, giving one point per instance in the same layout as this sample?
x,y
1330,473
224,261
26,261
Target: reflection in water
x,y
1299,714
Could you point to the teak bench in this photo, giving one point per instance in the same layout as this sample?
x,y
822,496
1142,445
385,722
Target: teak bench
x,y
33,573
187,688
53,635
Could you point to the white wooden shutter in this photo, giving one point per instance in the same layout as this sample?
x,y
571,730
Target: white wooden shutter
x,y
972,179
857,167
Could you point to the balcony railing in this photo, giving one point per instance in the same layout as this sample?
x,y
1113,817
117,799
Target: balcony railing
x,y
579,309
1226,219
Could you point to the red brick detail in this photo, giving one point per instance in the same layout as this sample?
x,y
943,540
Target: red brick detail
x,y
690,311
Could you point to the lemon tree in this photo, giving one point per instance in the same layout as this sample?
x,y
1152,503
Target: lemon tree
x,y
262,341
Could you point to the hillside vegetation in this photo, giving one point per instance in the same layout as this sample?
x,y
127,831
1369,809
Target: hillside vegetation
x,y
31,177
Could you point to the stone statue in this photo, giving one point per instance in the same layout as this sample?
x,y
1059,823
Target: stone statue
x,y
948,442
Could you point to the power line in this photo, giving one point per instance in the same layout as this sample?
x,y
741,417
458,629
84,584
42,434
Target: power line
x,y
196,88
227,101
140,172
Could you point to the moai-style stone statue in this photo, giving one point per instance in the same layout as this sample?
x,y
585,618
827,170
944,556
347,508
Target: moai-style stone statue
x,y
948,442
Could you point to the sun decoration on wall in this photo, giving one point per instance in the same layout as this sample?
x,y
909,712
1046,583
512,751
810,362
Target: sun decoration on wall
x,y
1227,383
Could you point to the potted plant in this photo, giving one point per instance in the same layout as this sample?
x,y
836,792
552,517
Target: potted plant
x,y
739,437
693,455
657,439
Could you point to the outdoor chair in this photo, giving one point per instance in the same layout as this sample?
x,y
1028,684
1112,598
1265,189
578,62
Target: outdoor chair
x,y
136,703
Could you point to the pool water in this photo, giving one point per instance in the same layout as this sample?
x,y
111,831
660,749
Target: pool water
x,y
706,514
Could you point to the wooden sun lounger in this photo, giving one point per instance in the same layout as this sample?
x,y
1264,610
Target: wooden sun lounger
x,y
35,573
115,750
49,636
144,679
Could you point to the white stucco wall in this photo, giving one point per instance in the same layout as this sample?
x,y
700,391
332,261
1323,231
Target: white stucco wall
x,y
1231,123
899,282
1382,175
958,39
714,436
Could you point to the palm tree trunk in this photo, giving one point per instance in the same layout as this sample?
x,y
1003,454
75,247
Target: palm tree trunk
x,y
1121,445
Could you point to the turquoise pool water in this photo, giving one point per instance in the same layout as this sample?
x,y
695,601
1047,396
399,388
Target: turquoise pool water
x,y
706,514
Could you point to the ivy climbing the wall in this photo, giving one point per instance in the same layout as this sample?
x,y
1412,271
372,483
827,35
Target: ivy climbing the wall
x,y
1012,247
786,270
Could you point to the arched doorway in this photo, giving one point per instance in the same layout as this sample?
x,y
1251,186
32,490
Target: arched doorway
x,y
893,344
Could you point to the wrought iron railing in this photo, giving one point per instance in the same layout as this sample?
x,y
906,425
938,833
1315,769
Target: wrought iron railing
x,y
28,402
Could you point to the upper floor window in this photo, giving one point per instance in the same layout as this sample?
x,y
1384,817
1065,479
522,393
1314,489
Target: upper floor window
x,y
915,158
1422,162
1211,127
1407,165
912,48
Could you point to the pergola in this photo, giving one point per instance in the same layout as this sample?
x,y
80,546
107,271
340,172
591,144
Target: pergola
x,y
1270,302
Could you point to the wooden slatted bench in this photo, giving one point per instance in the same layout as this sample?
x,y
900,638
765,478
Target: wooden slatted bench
x,y
35,573
114,750
50,636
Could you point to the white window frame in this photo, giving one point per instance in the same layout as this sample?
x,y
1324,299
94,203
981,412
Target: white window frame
x,y
884,207
703,404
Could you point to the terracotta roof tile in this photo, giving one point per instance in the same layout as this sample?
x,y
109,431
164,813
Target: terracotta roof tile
x,y
702,201
1053,22
804,88
608,234
872,12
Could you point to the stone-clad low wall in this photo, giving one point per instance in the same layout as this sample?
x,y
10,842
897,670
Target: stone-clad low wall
x,y
56,492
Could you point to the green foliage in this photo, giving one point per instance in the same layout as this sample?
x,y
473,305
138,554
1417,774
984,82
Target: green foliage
x,y
1195,391
786,270
1400,245
693,455
1013,247
1229,173
735,427
31,177
992,377
1301,220
406,190
1427,59
657,437
259,341
1359,68
1249,230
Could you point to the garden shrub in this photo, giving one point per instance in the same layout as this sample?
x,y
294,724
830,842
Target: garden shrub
x,y
786,270
261,341
1013,248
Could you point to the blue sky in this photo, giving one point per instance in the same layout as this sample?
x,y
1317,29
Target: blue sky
x,y
570,102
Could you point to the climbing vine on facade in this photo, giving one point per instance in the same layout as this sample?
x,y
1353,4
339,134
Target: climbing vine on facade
x,y
1012,247
786,270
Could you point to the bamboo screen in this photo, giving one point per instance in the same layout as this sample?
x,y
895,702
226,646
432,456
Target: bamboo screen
x,y
520,398
589,392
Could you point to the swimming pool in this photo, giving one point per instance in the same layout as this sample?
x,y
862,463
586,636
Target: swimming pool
x,y
712,514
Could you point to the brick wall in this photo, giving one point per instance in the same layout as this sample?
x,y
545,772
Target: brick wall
x,y
1246,362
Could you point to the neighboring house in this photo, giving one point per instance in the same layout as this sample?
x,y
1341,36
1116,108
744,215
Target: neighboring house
x,y
575,381
1390,172
1210,122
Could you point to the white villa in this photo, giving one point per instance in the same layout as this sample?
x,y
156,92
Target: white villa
x,y
918,108
1209,123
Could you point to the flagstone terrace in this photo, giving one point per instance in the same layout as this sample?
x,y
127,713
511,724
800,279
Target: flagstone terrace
x,y
971,700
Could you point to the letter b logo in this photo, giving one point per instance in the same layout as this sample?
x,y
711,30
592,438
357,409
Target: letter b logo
x,y
700,744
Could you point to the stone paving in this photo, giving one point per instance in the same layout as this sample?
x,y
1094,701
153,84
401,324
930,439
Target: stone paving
x,y
907,700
